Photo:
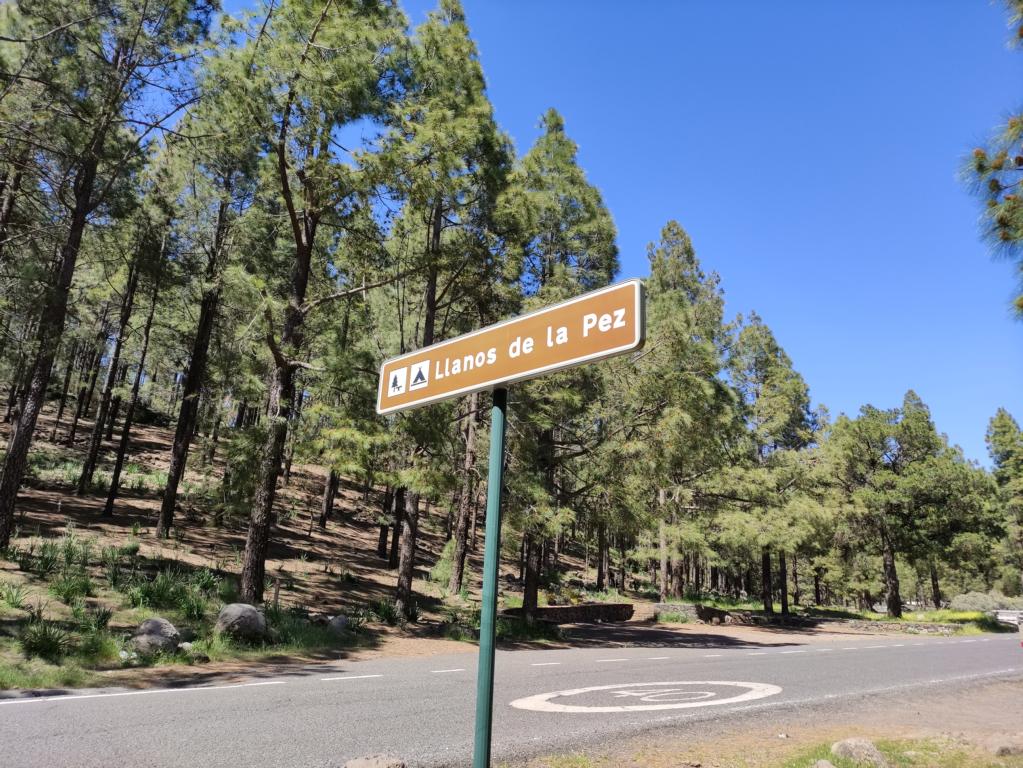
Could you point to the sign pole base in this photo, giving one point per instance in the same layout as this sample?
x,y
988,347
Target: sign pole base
x,y
491,561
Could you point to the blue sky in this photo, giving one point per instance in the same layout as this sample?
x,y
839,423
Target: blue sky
x,y
812,151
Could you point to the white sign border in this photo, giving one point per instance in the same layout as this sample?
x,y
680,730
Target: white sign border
x,y
636,343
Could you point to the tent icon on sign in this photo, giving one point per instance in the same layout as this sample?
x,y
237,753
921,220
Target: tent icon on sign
x,y
396,386
420,375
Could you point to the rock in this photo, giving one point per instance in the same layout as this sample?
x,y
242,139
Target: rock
x,y
241,621
155,635
860,751
186,647
376,761
824,764
338,625
1005,747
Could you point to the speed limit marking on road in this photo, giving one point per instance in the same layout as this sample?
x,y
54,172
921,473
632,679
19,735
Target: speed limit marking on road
x,y
647,697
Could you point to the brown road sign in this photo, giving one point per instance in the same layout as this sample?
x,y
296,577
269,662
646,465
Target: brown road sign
x,y
603,323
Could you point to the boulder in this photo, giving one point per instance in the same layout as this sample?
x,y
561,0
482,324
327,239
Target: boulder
x,y
861,752
338,625
241,621
376,761
155,635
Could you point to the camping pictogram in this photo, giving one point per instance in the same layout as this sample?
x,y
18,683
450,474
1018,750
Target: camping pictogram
x,y
420,375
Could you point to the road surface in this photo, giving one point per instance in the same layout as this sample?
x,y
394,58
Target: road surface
x,y
421,709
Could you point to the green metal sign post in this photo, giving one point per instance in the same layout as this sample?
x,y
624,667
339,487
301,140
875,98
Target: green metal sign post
x,y
491,560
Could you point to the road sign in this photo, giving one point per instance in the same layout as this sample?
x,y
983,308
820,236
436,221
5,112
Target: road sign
x,y
600,324
610,321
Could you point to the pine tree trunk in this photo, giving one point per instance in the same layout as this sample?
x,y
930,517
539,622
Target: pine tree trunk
x,y
531,579
185,428
601,556
399,513
783,581
766,590
51,328
893,598
385,527
465,499
64,392
663,546
113,368
817,599
935,586
122,447
407,554
329,492
795,579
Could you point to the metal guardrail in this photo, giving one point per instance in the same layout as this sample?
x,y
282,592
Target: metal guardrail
x,y
1008,617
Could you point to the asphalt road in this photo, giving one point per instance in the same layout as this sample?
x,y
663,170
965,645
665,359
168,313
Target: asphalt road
x,y
421,709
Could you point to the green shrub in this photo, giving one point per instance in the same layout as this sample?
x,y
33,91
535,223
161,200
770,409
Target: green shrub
x,y
206,581
71,586
14,595
166,590
387,612
671,617
291,627
49,556
193,604
45,640
441,571
514,629
131,548
97,646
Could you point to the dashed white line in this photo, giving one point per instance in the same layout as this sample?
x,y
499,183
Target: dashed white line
x,y
442,671
347,677
898,645
866,647
849,648
603,660
657,658
758,653
787,652
824,650
546,664
140,693
711,655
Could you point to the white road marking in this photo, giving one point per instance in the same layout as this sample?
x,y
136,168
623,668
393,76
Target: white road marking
x,y
602,660
678,695
347,677
849,648
785,652
867,647
898,645
758,653
711,655
824,650
441,671
546,664
657,658
140,693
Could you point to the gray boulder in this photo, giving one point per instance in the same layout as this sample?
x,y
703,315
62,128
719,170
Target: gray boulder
x,y
376,761
241,621
155,635
338,625
860,751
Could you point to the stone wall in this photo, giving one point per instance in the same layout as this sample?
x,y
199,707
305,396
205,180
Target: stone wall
x,y
585,613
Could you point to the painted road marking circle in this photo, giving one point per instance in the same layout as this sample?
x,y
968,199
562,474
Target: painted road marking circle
x,y
678,694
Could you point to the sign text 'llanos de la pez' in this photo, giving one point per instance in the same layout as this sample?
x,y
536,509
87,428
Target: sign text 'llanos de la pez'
x,y
603,323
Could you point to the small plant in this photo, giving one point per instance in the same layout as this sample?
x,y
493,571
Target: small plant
x,y
386,612
14,595
135,528
671,617
71,586
192,604
49,555
206,581
131,549
45,640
